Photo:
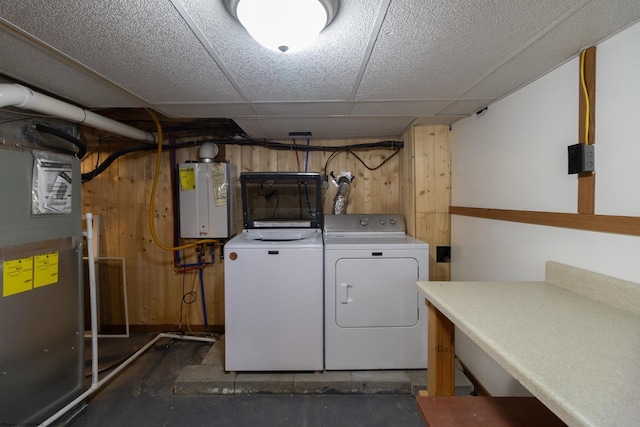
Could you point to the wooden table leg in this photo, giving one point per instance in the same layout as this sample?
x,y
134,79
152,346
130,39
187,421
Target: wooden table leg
x,y
441,354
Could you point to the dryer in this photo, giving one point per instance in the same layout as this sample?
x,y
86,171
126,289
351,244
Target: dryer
x,y
374,315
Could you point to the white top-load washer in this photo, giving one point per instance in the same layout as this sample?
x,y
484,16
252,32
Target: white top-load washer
x,y
374,315
273,277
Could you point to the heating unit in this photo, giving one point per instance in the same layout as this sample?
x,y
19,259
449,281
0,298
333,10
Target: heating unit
x,y
41,305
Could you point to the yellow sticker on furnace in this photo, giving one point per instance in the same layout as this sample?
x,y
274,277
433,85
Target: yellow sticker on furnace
x,y
45,269
17,276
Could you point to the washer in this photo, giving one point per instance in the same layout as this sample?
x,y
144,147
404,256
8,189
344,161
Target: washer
x,y
274,276
273,301
374,315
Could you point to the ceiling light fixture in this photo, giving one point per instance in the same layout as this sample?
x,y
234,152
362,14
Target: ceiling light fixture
x,y
283,25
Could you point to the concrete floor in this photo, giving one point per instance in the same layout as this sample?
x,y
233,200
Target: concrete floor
x,y
209,377
179,382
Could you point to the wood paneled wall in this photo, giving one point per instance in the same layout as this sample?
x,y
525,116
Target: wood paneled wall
x,y
415,183
428,188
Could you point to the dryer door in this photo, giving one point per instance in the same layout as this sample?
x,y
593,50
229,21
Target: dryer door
x,y
376,292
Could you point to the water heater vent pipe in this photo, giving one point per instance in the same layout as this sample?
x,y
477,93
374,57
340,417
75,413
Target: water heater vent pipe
x,y
18,96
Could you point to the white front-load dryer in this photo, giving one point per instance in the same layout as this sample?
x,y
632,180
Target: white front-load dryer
x,y
374,315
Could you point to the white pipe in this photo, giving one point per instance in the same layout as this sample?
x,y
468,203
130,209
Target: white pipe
x,y
95,383
15,95
95,387
93,298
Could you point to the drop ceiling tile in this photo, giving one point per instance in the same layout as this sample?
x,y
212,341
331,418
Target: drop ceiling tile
x,y
438,119
143,46
204,110
327,127
62,76
397,108
435,49
325,108
431,62
558,46
465,106
327,70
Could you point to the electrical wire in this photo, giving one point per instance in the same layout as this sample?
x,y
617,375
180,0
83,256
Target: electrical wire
x,y
247,142
98,151
306,187
153,196
81,146
297,157
88,176
204,302
371,168
283,146
306,160
98,147
299,189
188,298
587,112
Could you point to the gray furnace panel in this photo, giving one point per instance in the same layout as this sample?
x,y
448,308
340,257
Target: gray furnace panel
x,y
41,325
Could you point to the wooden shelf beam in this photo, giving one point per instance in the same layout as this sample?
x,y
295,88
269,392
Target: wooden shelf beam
x,y
628,225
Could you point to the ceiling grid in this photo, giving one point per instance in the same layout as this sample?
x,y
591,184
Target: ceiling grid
x,y
377,68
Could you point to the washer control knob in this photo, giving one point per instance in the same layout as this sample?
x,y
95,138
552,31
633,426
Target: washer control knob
x,y
364,221
393,221
383,221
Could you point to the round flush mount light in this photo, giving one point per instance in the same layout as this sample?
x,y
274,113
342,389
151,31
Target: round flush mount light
x,y
283,25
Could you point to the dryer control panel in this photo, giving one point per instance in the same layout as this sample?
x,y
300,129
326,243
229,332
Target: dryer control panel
x,y
365,223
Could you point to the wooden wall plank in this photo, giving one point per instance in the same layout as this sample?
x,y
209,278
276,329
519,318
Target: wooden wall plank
x,y
122,193
425,165
587,181
433,193
407,178
442,169
627,225
155,290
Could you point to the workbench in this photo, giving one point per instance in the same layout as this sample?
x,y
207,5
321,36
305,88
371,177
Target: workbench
x,y
573,340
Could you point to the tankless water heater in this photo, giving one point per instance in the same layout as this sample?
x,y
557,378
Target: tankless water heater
x,y
207,194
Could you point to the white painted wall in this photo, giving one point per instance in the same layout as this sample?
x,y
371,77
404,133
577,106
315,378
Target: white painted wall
x,y
515,157
618,118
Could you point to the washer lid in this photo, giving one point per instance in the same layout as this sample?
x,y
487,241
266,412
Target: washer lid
x,y
248,240
281,199
279,235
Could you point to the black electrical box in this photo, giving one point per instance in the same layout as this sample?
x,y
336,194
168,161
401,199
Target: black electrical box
x,y
581,158
443,253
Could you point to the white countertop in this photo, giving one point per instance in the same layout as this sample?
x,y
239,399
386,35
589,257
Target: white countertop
x,y
579,356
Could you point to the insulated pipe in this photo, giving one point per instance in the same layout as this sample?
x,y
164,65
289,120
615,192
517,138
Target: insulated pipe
x,y
15,95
